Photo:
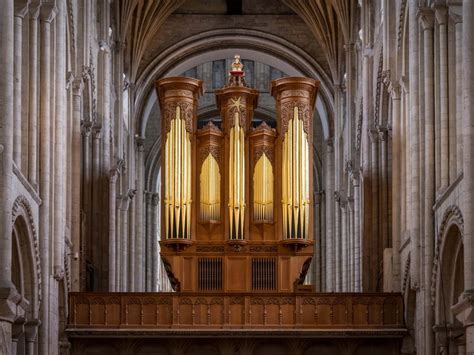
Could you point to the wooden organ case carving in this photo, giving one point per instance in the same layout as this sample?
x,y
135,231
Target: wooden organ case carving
x,y
237,212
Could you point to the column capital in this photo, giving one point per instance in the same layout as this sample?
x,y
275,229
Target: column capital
x,y
140,141
426,17
48,11
86,129
441,14
155,199
96,131
455,12
374,135
394,90
21,8
34,10
464,309
104,46
330,144
77,86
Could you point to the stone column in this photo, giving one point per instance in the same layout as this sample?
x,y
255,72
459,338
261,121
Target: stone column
x,y
384,235
413,153
468,167
357,237
344,245
61,142
329,196
77,89
457,18
96,214
87,239
396,186
124,242
6,145
33,98
441,17
375,244
337,242
47,14
148,241
112,231
20,12
31,333
139,230
134,260
156,260
427,22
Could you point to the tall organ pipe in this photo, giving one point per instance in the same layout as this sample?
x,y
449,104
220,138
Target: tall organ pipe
x,y
178,102
295,99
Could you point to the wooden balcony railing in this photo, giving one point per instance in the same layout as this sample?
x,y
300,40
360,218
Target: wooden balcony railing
x,y
208,311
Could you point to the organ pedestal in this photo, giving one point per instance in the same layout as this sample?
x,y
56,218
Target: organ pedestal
x,y
237,213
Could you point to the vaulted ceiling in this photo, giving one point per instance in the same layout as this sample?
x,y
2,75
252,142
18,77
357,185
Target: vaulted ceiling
x,y
330,21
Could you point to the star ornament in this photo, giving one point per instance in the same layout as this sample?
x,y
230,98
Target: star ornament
x,y
236,103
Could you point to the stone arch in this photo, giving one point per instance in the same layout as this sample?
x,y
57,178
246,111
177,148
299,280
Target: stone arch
x,y
448,278
254,45
26,257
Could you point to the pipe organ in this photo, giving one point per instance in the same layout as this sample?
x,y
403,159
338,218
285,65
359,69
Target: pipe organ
x,y
237,209
178,100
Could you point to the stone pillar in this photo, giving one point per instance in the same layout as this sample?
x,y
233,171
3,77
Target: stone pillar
x,y
61,142
87,239
33,99
134,261
427,22
357,237
112,231
96,217
329,196
154,239
375,244
6,147
468,168
77,89
457,18
337,242
140,236
47,14
31,333
124,242
149,242
384,223
344,245
20,12
441,17
413,153
396,186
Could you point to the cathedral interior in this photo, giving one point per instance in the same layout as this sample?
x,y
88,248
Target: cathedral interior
x,y
205,177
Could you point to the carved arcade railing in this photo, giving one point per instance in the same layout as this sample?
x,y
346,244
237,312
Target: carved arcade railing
x,y
208,311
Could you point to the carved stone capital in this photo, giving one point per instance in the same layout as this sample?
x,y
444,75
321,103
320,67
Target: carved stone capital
x,y
48,11
426,18
464,309
455,12
155,199
441,14
86,129
21,8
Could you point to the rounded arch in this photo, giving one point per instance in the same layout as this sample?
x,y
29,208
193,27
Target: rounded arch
x,y
448,268
26,268
251,44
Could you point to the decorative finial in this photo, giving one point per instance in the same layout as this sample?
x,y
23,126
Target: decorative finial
x,y
236,74
237,65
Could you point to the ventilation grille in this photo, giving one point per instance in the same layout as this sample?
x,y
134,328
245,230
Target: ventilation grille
x,y
210,274
263,274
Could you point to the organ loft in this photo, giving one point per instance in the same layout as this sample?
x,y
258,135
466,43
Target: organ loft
x,y
237,206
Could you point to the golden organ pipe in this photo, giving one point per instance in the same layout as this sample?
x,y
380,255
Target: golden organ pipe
x,y
295,179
